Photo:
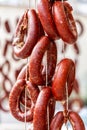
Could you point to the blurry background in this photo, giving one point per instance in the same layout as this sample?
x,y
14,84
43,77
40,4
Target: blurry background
x,y
10,12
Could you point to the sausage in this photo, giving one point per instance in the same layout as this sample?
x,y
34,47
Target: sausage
x,y
57,121
40,111
37,76
64,75
28,23
14,100
45,14
64,21
76,121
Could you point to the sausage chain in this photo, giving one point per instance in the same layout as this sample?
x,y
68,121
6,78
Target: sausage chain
x,y
35,36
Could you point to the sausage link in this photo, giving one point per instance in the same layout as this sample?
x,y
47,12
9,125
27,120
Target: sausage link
x,y
57,121
76,121
64,75
29,23
14,100
64,21
37,76
40,111
45,15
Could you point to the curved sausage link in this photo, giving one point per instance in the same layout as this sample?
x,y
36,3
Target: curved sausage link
x,y
37,76
64,75
76,121
29,22
64,21
45,15
14,100
40,111
57,121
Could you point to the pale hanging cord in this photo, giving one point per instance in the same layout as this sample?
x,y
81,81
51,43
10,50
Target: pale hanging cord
x,y
25,86
25,110
46,85
26,93
46,69
66,103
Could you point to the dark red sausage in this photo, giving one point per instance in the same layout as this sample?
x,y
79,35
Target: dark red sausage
x,y
64,21
29,23
76,121
37,76
14,100
40,111
64,75
57,121
45,15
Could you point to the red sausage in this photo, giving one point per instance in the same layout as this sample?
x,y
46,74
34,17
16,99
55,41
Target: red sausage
x,y
29,22
64,75
57,121
14,100
64,21
40,111
45,15
37,76
76,121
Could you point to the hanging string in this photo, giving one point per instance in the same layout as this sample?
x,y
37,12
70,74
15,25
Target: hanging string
x,y
26,93
46,85
25,86
46,70
25,110
66,104
67,101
